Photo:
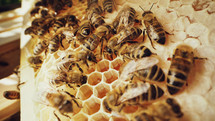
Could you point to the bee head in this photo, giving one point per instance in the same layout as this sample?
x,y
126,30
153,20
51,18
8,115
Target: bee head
x,y
71,18
91,57
84,80
175,107
29,30
146,13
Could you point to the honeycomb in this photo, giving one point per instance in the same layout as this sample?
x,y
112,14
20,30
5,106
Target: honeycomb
x,y
188,21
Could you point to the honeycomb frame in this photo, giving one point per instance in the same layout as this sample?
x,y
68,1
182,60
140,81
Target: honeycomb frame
x,y
185,26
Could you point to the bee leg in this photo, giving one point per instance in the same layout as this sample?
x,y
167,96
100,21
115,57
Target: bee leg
x,y
79,68
56,116
61,43
168,33
77,104
87,64
121,107
150,40
65,115
71,86
101,47
18,86
144,32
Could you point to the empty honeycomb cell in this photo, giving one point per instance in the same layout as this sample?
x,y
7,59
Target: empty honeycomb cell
x,y
130,109
103,66
116,64
101,90
91,106
85,92
100,117
80,117
94,78
110,76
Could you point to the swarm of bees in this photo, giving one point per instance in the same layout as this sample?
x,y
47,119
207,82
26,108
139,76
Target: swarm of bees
x,y
93,40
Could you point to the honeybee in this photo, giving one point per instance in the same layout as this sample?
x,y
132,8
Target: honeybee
x,y
182,62
154,73
84,31
154,29
72,21
58,23
128,68
94,7
56,5
136,51
11,95
42,12
101,33
71,78
131,94
35,61
166,110
96,19
82,56
118,40
63,101
54,43
42,3
30,31
108,5
40,47
124,18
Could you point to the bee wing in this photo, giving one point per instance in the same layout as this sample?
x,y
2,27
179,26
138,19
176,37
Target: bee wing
x,y
127,69
146,62
41,93
134,91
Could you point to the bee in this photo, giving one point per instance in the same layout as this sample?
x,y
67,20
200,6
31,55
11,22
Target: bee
x,y
96,19
117,41
128,69
54,43
136,51
40,47
165,110
80,57
72,21
181,64
71,78
124,18
11,95
68,3
84,31
42,3
30,31
35,61
56,5
94,7
154,29
102,32
58,23
43,12
108,5
38,22
62,101
131,94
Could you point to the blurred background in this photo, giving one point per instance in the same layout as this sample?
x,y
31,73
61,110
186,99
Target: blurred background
x,y
10,28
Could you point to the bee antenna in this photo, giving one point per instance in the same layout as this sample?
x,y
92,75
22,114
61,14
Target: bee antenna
x,y
152,6
141,8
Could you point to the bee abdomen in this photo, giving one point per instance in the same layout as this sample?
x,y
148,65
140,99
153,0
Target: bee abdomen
x,y
143,117
11,95
40,47
108,5
54,44
156,74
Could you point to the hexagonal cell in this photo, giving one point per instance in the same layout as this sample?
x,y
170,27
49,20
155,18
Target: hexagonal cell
x,y
90,69
116,64
95,78
85,92
110,76
100,117
80,117
101,90
91,106
130,109
103,66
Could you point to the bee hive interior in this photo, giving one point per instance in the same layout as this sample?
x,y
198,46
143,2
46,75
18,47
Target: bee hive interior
x,y
188,21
